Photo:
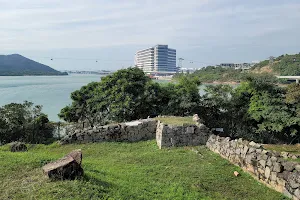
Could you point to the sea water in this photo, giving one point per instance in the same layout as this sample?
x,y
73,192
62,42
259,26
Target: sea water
x,y
52,92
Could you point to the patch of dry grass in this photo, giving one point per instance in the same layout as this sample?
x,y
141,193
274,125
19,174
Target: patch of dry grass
x,y
176,120
295,149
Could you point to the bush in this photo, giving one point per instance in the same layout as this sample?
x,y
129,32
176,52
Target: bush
x,y
24,122
129,95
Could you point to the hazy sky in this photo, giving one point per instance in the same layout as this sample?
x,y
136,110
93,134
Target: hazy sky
x,y
77,33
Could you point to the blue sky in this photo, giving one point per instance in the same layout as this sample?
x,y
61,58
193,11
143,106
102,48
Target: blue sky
x,y
77,33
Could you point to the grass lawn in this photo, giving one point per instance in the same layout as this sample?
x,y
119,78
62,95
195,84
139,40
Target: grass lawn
x,y
128,171
176,120
294,149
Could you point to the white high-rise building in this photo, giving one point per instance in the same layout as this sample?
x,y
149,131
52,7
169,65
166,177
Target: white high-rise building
x,y
159,58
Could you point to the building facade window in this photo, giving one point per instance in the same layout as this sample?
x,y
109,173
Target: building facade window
x,y
159,58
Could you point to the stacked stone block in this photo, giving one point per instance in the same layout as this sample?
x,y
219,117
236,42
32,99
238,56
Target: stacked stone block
x,y
267,166
174,136
131,132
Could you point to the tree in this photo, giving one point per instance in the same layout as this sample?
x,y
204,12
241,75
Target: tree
x,y
212,73
129,95
256,110
81,108
182,98
123,96
293,93
225,107
276,120
123,92
24,122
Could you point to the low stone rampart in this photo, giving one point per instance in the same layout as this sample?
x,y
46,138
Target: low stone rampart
x,y
130,131
174,136
267,166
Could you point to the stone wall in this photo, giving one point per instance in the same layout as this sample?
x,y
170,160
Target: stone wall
x,y
190,135
130,131
267,166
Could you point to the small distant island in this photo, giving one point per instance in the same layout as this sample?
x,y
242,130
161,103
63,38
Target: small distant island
x,y
17,65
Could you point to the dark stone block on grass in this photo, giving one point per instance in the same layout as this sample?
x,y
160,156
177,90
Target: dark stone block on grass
x,y
17,147
66,168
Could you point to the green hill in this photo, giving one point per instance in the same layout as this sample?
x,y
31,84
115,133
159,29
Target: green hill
x,y
284,65
212,74
17,65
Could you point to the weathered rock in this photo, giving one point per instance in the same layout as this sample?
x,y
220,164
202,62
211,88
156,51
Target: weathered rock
x,y
252,143
274,159
76,155
289,166
269,162
273,176
197,119
258,151
236,173
273,184
258,146
250,168
297,167
248,158
251,150
245,150
287,193
277,167
294,157
267,172
262,163
264,156
68,167
190,130
276,154
17,147
264,151
280,179
284,154
261,171
290,189
284,175
297,193
238,151
292,180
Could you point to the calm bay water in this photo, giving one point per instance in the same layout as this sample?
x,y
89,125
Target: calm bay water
x,y
53,92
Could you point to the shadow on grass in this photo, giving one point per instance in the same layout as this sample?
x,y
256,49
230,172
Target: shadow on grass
x,y
88,179
97,171
96,181
86,187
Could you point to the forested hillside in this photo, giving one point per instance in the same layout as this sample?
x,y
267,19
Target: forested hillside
x,y
284,65
17,65
212,73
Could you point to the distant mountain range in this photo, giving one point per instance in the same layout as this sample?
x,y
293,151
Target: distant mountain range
x,y
17,65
